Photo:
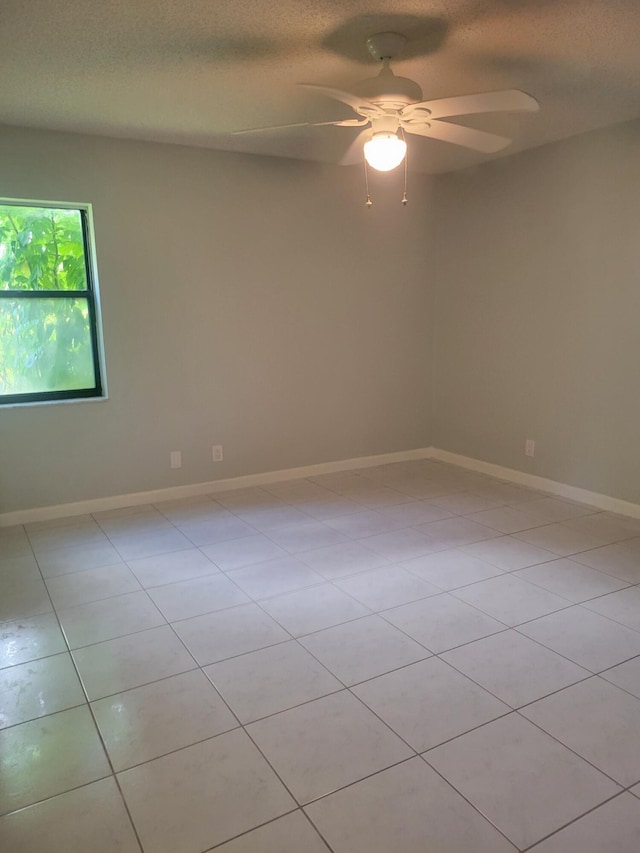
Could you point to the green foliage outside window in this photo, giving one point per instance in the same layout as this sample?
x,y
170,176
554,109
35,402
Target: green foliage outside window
x,y
48,342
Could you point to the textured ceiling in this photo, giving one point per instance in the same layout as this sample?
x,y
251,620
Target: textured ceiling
x,y
192,71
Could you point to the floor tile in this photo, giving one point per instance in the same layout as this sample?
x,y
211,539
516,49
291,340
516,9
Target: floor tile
x,y
265,518
12,569
598,721
172,568
621,560
622,606
614,827
570,580
208,532
328,508
454,532
399,545
337,481
275,577
217,636
131,661
196,596
507,519
91,585
67,521
105,516
465,503
249,497
192,509
386,587
429,702
62,562
510,599
606,527
29,639
38,688
407,808
406,576
560,539
298,491
585,637
376,496
271,680
312,609
136,526
158,718
91,818
556,509
625,675
418,489
526,783
140,545
451,569
66,538
203,795
238,553
508,493
338,561
514,668
292,833
508,553
442,622
323,745
48,756
14,542
415,512
109,618
363,649
24,599
362,524
305,536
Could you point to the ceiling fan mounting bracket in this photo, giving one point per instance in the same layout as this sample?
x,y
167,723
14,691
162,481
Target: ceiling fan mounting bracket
x,y
385,45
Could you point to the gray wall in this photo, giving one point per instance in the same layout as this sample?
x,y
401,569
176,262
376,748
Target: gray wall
x,y
538,311
250,302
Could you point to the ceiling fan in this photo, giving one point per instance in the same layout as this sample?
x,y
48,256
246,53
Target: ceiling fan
x,y
388,107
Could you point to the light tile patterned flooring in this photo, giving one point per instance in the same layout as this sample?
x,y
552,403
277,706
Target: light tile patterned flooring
x,y
405,658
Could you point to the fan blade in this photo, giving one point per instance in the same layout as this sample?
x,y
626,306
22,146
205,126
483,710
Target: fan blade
x,y
355,152
359,105
478,140
507,100
349,122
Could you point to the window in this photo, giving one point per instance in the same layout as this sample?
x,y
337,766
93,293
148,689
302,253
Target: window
x,y
49,313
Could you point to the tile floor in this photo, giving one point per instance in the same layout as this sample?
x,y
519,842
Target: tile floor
x,y
411,657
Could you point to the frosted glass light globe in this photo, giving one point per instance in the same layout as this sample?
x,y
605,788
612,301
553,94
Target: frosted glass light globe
x,y
385,151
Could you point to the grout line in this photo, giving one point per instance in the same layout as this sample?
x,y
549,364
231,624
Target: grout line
x,y
575,820
90,711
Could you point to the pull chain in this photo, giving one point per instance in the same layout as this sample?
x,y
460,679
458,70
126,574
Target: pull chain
x,y
368,202
406,157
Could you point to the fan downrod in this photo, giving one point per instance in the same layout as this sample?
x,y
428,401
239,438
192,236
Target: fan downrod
x,y
385,45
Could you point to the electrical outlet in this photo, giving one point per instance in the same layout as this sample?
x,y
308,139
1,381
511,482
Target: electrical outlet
x,y
175,459
529,447
216,453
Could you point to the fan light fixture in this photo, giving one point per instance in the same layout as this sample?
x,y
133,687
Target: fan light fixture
x,y
385,151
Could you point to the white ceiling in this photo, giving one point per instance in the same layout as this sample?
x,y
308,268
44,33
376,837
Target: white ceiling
x,y
193,71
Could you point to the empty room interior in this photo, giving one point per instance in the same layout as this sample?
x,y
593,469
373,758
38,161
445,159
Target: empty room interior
x,y
319,418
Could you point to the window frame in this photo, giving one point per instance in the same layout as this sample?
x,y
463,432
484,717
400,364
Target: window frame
x,y
92,296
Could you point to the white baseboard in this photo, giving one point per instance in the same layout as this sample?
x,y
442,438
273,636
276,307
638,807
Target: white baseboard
x,y
45,513
522,478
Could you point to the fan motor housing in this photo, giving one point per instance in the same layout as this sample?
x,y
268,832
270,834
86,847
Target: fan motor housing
x,y
386,88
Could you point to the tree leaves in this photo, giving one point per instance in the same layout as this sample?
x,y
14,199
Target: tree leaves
x,y
45,343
